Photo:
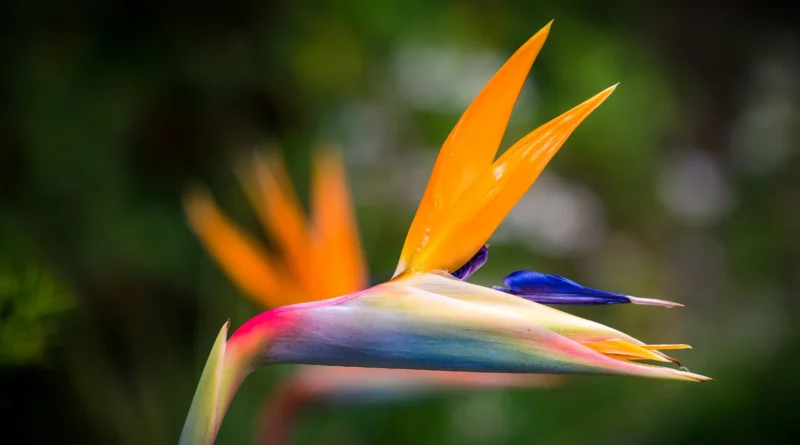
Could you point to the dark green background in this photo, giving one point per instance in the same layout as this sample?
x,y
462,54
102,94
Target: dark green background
x,y
108,305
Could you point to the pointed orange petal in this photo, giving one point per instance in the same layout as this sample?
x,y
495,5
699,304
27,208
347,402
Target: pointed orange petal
x,y
470,222
339,263
472,145
245,262
270,191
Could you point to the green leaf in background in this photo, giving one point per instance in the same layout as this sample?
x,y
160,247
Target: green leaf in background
x,y
31,299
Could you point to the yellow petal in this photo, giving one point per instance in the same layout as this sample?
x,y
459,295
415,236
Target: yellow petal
x,y
272,195
622,348
666,347
339,263
472,219
245,262
471,146
659,348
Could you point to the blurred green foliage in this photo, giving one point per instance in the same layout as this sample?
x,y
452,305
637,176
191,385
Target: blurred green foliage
x,y
681,186
30,301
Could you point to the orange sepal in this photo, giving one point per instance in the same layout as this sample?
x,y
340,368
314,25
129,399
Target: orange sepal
x,y
471,146
242,258
470,222
272,194
339,263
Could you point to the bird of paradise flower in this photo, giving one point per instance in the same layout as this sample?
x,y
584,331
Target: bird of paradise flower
x,y
317,260
427,318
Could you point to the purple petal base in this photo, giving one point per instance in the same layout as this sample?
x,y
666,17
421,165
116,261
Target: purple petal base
x,y
475,263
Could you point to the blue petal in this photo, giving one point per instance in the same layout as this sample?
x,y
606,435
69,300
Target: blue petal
x,y
475,263
553,289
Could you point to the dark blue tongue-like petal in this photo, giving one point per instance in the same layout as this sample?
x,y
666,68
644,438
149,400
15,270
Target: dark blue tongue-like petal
x,y
553,289
475,263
